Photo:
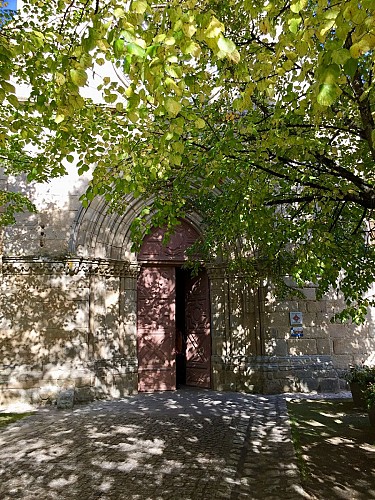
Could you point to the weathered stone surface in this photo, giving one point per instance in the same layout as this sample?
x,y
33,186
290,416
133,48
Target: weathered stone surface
x,y
73,300
302,346
65,399
324,346
329,385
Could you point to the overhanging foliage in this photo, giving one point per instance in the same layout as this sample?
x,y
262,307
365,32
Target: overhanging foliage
x,y
268,104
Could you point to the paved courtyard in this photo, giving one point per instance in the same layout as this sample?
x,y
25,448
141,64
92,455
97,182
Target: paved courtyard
x,y
189,444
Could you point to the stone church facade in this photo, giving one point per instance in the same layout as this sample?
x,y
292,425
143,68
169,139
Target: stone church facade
x,y
79,309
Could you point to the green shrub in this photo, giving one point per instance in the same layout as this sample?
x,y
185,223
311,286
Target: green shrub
x,y
361,374
369,394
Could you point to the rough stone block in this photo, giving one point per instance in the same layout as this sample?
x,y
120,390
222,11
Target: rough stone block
x,y
309,293
83,394
284,306
279,320
329,385
343,361
324,346
281,348
308,384
311,320
316,306
347,346
65,399
338,330
302,346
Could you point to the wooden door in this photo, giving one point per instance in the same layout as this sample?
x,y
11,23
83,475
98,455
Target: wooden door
x,y
156,329
197,325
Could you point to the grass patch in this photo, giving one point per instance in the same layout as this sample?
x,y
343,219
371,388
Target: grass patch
x,y
335,447
296,438
9,418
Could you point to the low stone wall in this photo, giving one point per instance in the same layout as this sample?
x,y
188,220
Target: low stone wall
x,y
103,379
271,374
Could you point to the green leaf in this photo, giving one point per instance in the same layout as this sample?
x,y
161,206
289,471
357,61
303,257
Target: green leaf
x,y
199,123
294,24
226,45
139,6
298,5
340,56
8,87
328,93
135,49
330,74
350,67
119,47
79,77
172,106
12,99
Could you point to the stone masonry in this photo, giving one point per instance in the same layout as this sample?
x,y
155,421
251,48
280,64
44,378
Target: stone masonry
x,y
68,314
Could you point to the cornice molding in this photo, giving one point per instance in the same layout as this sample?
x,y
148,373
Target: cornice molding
x,y
66,265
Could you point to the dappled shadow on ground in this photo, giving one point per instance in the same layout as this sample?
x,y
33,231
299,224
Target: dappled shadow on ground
x,y
189,444
165,445
336,448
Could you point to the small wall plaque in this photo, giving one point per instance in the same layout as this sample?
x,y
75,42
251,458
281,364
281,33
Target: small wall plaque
x,y
295,318
296,332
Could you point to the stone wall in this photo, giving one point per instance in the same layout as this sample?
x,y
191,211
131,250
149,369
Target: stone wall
x,y
60,328
347,344
68,313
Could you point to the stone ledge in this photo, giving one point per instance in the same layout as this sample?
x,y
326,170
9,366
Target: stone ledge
x,y
30,265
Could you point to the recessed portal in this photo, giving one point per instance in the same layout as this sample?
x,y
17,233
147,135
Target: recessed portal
x,y
173,327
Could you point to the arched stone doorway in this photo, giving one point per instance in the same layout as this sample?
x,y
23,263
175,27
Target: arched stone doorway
x,y
173,315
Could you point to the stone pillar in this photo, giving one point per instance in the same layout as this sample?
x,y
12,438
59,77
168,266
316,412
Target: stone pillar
x,y
220,331
128,311
242,318
97,313
260,297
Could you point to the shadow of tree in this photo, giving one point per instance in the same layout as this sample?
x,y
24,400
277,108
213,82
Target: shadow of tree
x,y
336,448
187,445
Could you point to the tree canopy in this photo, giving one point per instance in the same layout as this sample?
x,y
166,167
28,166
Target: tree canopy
x,y
257,114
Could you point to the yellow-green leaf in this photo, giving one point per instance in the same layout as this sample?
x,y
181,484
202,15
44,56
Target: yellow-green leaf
x,y
298,6
193,49
189,30
172,106
78,77
294,24
214,28
170,40
328,93
226,45
139,6
59,118
199,123
119,13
